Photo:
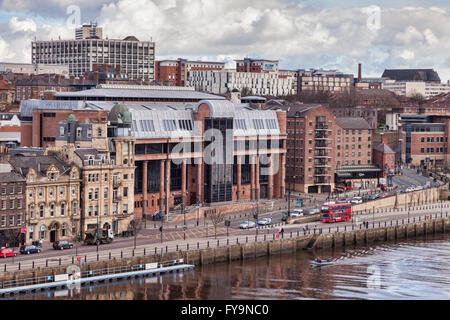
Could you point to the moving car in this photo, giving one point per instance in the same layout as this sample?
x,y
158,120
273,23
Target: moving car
x,y
7,252
297,213
384,195
265,221
313,211
27,249
247,225
61,245
356,200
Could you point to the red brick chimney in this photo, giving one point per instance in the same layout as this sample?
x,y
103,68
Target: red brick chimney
x,y
359,72
384,140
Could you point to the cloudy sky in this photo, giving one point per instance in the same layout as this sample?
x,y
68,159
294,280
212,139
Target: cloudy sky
x,y
331,34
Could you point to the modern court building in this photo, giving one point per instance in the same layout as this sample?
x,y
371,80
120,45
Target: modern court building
x,y
188,147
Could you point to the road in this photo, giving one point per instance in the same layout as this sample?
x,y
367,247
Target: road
x,y
202,237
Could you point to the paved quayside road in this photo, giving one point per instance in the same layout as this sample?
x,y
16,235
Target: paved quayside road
x,y
201,237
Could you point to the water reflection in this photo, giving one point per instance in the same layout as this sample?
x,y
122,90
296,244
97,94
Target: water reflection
x,y
405,270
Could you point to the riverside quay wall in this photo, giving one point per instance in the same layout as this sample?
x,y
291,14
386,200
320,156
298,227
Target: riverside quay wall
x,y
317,240
401,200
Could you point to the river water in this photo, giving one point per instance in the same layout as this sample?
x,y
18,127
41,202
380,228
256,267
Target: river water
x,y
416,269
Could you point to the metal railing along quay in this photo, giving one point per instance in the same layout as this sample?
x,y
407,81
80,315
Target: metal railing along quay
x,y
221,241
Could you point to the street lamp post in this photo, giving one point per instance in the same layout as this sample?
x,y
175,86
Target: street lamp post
x,y
96,240
184,224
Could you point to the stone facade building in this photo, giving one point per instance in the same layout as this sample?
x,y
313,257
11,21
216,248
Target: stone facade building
x,y
52,197
107,170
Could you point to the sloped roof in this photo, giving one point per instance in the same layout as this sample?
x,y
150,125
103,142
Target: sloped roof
x,y
11,177
411,75
383,148
353,123
38,163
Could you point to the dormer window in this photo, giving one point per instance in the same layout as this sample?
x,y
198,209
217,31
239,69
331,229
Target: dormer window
x,y
61,131
89,133
91,159
79,132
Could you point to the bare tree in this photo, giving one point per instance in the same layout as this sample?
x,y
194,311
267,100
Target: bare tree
x,y
12,237
216,217
245,92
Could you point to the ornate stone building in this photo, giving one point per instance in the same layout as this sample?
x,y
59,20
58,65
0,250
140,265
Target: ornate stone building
x,y
52,197
107,168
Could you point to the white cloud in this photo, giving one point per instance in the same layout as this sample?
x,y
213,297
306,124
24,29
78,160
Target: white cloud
x,y
299,36
26,25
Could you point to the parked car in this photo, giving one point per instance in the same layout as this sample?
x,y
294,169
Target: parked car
x,y
374,196
384,195
265,221
7,252
247,225
343,201
356,200
61,245
27,249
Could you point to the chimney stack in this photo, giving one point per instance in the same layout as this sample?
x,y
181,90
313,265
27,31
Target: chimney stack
x,y
359,72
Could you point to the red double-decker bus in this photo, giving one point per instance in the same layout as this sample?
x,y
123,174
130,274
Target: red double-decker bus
x,y
336,212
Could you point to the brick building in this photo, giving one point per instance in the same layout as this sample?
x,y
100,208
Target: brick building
x,y
310,148
425,140
324,152
12,209
177,72
384,157
353,142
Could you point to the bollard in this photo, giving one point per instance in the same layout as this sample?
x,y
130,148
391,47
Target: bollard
x,y
19,263
85,258
207,244
246,239
187,246
72,260
46,264
121,253
177,248
167,249
155,250
264,237
144,251
237,240
97,256
228,242
110,256
198,245
31,267
132,254
337,229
